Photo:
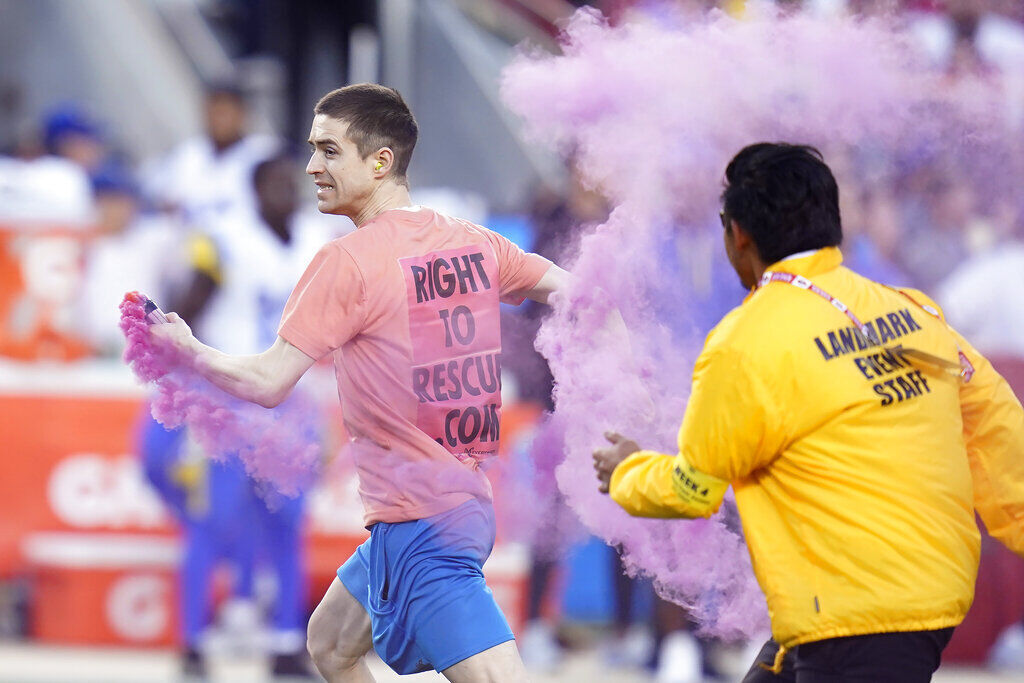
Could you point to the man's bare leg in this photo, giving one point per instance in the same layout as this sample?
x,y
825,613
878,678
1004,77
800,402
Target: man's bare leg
x,y
499,664
339,637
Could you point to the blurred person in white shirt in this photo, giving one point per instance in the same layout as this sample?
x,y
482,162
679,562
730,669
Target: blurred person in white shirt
x,y
981,35
36,186
262,252
207,179
984,296
129,251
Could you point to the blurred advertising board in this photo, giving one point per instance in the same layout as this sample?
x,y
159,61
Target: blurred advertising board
x,y
41,271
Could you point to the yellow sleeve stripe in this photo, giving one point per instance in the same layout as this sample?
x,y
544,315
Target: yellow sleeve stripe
x,y
202,255
651,484
696,489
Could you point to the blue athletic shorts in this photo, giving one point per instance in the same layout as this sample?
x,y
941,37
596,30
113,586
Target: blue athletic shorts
x,y
423,585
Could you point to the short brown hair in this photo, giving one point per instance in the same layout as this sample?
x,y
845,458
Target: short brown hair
x,y
377,117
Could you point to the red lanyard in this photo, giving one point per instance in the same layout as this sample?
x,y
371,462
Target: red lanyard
x,y
803,283
966,368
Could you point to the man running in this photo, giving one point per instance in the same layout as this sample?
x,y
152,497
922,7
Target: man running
x,y
408,307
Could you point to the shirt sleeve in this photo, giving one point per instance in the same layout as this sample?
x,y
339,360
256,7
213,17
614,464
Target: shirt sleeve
x,y
994,435
650,484
733,423
327,306
731,428
993,429
519,271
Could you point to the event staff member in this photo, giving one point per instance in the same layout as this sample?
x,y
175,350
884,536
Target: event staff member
x,y
858,430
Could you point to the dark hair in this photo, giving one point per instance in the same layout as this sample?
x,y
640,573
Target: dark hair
x,y
377,117
226,88
785,196
260,171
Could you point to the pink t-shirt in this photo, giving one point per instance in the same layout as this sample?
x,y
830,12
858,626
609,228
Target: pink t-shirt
x,y
408,304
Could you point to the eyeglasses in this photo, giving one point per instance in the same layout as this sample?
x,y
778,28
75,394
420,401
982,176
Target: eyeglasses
x,y
725,221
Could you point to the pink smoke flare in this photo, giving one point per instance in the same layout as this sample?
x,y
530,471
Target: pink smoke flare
x,y
279,447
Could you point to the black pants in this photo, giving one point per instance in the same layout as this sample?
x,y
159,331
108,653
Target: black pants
x,y
910,657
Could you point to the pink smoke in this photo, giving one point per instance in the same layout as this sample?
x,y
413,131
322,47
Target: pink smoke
x,y
653,110
528,505
279,447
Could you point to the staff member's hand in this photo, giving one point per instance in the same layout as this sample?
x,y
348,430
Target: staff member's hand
x,y
607,459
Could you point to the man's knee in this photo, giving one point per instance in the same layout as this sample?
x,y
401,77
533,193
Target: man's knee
x,y
329,647
338,635
321,641
499,664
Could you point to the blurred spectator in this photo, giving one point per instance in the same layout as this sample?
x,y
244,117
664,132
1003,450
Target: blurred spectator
x,y
705,286
45,211
666,642
871,234
208,178
681,657
209,498
983,297
935,224
211,501
966,59
71,134
262,252
35,186
633,643
704,289
983,37
129,251
549,543
259,254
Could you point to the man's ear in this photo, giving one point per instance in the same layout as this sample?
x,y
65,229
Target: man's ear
x,y
741,239
384,160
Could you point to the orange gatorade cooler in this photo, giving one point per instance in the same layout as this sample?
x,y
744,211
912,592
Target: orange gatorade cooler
x,y
103,589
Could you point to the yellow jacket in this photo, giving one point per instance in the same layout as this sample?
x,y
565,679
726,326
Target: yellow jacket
x,y
852,465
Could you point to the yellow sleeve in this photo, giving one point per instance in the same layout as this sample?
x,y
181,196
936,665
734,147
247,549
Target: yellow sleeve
x,y
734,419
994,435
203,256
993,428
650,484
731,428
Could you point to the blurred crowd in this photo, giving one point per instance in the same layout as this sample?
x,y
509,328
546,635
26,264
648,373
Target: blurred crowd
x,y
218,229
188,229
179,215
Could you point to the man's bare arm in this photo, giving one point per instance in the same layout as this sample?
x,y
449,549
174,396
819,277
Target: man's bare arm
x,y
265,378
553,280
